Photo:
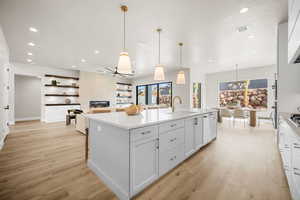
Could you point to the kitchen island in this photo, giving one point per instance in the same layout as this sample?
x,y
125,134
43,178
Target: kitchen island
x,y
128,153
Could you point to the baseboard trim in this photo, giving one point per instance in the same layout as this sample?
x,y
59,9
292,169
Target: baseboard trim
x,y
1,143
27,119
3,139
121,194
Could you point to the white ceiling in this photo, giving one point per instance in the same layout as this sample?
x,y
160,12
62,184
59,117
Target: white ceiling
x,y
70,30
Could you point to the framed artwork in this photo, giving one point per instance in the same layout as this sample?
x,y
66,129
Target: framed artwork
x,y
196,95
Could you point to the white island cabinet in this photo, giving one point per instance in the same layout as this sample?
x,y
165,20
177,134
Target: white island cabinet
x,y
128,153
289,148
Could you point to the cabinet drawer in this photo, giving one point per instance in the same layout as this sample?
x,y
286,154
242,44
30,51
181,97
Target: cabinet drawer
x,y
296,181
171,139
296,155
144,133
165,127
170,158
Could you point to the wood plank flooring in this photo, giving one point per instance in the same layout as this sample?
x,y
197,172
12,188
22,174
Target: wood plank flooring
x,y
46,161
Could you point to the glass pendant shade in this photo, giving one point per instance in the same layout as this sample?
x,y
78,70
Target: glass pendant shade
x,y
124,65
180,78
159,74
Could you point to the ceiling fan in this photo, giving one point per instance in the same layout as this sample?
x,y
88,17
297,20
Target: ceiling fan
x,y
114,72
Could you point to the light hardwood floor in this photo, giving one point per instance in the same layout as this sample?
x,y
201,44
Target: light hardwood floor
x,y
46,161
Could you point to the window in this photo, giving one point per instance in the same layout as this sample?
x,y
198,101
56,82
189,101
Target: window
x,y
154,94
249,93
141,94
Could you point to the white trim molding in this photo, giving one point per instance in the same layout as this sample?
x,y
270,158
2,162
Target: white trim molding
x,y
27,119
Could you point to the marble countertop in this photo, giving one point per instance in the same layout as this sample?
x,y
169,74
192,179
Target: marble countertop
x,y
146,118
286,117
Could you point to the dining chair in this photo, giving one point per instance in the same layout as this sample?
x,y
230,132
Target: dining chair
x,y
266,117
226,113
240,114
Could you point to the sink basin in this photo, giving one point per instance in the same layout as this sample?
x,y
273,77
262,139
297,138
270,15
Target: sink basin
x,y
181,112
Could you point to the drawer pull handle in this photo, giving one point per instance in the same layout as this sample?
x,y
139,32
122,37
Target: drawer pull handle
x,y
173,158
298,174
296,144
145,132
173,125
296,147
172,140
296,168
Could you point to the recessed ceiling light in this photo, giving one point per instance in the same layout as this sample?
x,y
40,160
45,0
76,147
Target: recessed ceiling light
x,y
83,60
29,60
96,51
73,66
31,44
29,54
32,29
244,10
251,36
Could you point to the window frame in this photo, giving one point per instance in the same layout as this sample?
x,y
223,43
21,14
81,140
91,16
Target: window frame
x,y
157,88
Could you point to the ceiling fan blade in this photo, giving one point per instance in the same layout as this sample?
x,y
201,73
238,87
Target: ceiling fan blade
x,y
109,69
128,74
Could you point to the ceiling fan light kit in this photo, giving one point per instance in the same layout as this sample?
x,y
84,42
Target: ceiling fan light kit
x,y
124,64
159,74
180,76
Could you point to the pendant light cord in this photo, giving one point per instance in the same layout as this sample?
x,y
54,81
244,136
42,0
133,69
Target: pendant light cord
x,y
158,46
180,55
236,72
124,32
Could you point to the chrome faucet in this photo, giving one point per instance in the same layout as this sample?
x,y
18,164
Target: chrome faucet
x,y
173,102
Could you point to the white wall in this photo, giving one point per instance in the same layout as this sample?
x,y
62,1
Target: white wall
x,y
4,77
27,98
178,90
37,71
98,87
213,80
288,75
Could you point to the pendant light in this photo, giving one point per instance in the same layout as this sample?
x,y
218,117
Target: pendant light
x,y
180,76
124,65
159,74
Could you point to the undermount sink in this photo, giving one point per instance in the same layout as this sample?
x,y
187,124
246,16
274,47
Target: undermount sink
x,y
181,112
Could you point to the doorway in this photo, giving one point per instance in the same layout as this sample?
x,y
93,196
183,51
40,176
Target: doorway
x,y
27,98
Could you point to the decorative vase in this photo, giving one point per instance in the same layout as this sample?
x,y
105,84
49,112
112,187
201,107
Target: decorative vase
x,y
54,82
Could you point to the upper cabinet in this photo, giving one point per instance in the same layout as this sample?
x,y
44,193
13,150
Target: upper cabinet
x,y
294,32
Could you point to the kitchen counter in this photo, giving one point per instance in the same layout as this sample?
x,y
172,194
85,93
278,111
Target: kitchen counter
x,y
286,117
146,118
129,153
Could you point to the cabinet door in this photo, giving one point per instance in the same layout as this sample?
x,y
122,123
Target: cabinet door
x,y
213,126
206,129
144,164
198,129
189,142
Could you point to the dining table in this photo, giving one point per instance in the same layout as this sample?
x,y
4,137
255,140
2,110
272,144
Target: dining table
x,y
252,112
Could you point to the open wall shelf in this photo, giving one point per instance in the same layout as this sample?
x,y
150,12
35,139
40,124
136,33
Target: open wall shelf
x,y
62,86
62,77
62,104
123,93
61,95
